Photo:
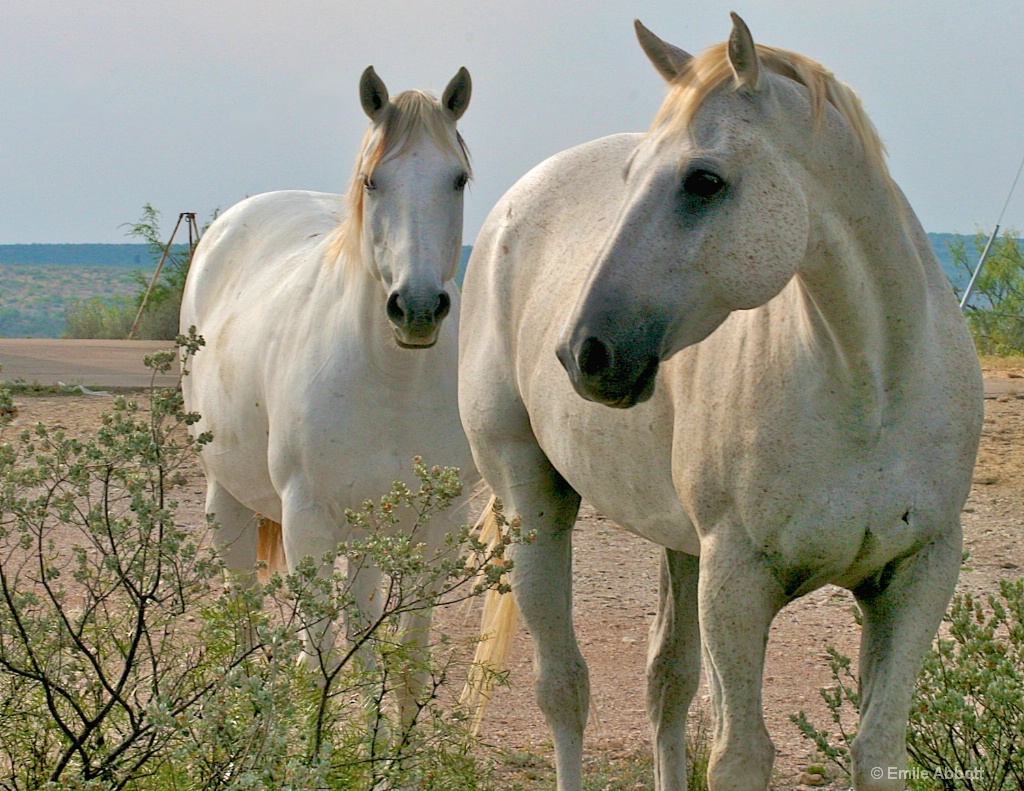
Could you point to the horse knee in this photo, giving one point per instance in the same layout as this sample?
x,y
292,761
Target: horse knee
x,y
671,685
564,696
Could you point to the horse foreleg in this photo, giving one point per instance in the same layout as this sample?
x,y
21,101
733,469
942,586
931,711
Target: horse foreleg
x,y
415,637
738,598
415,623
362,582
900,622
542,584
235,539
673,666
309,532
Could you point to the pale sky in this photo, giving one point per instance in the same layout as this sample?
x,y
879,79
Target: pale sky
x,y
109,104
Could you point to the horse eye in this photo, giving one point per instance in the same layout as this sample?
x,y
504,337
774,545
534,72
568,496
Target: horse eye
x,y
460,182
369,184
703,184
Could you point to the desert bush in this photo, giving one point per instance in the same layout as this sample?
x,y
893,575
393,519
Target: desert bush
x,y
967,715
107,318
126,663
7,408
995,313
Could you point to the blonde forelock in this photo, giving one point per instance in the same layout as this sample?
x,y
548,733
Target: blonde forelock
x,y
407,117
711,71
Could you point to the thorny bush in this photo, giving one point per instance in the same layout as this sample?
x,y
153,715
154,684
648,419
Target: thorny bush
x,y
125,662
967,714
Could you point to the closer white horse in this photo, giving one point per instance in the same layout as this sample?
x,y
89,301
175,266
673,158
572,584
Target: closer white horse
x,y
329,362
799,399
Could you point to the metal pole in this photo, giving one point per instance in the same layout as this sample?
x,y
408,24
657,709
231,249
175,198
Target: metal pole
x,y
156,274
977,271
991,239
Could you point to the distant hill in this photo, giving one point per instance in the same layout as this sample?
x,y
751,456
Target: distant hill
x,y
39,281
466,250
120,255
123,255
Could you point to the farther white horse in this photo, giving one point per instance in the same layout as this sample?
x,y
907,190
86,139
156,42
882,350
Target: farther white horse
x,y
329,363
799,400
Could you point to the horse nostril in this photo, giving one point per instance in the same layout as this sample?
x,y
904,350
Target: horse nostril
x,y
594,358
444,304
395,309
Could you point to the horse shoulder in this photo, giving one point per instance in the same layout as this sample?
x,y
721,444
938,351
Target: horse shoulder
x,y
250,277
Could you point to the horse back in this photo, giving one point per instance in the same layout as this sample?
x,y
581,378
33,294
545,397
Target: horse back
x,y
243,250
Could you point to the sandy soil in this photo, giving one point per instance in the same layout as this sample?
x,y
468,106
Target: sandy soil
x,y
615,597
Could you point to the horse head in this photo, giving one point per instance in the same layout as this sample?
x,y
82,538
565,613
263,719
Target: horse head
x,y
406,202
716,214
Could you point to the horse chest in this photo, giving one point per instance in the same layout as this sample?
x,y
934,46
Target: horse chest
x,y
361,417
820,505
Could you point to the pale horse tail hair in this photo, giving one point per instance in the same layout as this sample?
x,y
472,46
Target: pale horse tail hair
x,y
270,557
497,626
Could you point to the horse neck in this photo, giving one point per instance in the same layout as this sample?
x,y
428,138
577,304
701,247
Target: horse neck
x,y
365,302
864,284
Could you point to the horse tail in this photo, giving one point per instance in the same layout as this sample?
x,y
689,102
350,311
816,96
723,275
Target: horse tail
x,y
270,550
497,627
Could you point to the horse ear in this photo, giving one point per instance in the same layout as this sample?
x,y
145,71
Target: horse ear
x,y
456,96
746,65
372,93
668,60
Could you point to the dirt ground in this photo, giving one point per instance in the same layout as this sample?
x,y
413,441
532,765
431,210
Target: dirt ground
x,y
616,585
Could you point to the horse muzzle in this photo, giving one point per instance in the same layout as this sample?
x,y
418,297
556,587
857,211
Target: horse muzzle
x,y
416,319
601,373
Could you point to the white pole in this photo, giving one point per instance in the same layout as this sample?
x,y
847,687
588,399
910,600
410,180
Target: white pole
x,y
991,239
977,270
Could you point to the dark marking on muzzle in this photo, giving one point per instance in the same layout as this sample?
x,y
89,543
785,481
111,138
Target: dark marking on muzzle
x,y
416,320
602,374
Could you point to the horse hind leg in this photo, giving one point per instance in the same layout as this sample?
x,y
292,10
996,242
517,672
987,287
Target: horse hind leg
x,y
673,666
899,624
235,539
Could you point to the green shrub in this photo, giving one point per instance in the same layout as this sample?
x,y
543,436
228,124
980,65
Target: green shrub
x,y
995,313
967,715
126,663
104,318
969,709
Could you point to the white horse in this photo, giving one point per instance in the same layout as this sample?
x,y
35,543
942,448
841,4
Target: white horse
x,y
799,400
329,362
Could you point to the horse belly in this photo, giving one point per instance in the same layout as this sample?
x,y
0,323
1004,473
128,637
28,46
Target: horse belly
x,y
236,417
618,460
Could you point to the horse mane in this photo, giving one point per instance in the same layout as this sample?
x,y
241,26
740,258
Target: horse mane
x,y
406,117
706,72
